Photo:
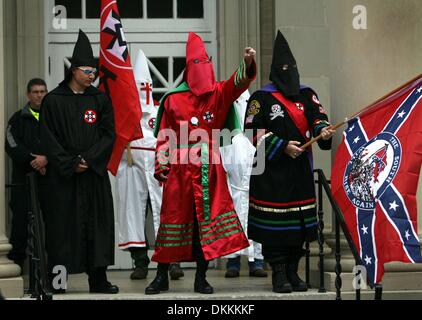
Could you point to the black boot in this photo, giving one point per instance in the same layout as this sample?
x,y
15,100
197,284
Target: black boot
x,y
201,284
279,278
161,280
98,283
292,267
175,271
141,260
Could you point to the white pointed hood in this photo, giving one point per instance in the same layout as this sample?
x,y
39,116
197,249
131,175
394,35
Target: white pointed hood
x,y
144,82
240,104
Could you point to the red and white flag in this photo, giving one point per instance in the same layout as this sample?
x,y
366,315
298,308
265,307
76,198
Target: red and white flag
x,y
118,82
375,178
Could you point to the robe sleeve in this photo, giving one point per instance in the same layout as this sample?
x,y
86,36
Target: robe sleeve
x,y
14,145
99,154
317,118
64,162
256,119
229,90
162,151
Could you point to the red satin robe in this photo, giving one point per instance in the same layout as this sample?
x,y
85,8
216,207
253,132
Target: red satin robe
x,y
197,187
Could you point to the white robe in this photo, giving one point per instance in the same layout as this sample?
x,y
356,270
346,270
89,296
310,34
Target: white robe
x,y
237,160
134,185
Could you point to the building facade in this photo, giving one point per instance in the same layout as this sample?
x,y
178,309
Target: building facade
x,y
351,52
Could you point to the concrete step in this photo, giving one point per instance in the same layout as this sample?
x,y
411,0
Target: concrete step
x,y
242,288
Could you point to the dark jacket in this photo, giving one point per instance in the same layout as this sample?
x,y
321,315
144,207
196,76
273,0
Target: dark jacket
x,y
22,139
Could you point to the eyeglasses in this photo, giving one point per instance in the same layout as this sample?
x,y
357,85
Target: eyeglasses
x,y
88,72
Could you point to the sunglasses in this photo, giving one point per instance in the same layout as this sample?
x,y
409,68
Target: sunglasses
x,y
88,72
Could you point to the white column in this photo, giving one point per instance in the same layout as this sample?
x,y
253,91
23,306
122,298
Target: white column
x,y
11,284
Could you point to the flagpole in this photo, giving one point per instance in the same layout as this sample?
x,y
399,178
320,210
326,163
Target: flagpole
x,y
129,155
338,125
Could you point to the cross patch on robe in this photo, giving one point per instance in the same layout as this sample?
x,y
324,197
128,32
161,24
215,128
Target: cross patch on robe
x,y
145,86
208,116
151,123
90,116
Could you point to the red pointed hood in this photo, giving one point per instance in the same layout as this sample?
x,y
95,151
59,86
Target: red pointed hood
x,y
199,73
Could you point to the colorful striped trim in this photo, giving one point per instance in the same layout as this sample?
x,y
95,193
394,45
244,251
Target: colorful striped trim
x,y
163,162
219,224
276,149
265,136
271,145
169,238
258,135
273,210
284,222
132,243
176,226
180,244
188,146
241,76
311,225
220,217
227,234
205,181
163,231
218,230
282,204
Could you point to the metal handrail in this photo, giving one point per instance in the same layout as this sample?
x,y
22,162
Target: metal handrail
x,y
39,287
339,223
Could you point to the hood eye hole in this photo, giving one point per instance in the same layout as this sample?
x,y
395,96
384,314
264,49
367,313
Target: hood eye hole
x,y
196,61
285,67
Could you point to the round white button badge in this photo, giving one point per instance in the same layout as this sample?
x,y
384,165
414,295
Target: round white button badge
x,y
194,121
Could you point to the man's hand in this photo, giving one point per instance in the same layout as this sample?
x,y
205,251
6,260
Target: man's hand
x,y
327,133
163,177
82,166
39,162
249,56
292,149
43,171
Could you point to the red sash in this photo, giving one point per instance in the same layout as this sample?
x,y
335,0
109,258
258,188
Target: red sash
x,y
297,115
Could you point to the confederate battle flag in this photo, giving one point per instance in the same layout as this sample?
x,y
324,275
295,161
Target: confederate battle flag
x,y
118,82
375,178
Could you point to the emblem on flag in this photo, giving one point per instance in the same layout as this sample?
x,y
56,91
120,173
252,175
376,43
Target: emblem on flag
x,y
118,82
373,180
90,116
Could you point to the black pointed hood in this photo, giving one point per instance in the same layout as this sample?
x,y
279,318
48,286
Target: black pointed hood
x,y
284,73
82,55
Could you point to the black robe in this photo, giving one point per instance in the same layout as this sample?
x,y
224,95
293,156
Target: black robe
x,y
282,207
80,220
